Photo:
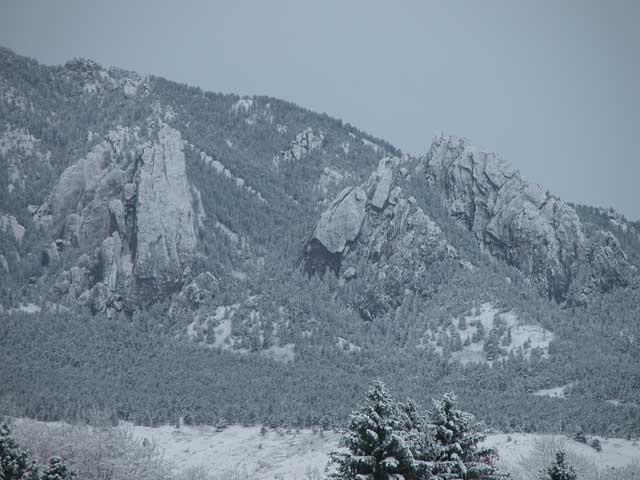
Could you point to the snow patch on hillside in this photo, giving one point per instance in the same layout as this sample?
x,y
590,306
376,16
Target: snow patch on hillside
x,y
26,308
485,334
347,346
554,392
220,169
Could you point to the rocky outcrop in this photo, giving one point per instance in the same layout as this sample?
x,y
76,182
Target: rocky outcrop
x,y
382,179
609,264
4,264
342,221
202,288
515,220
110,258
127,204
8,223
116,208
304,143
165,220
374,233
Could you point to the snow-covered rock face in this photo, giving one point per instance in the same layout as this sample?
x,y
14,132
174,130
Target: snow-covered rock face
x,y
342,222
381,180
304,143
515,220
129,207
376,224
95,79
609,264
166,236
8,223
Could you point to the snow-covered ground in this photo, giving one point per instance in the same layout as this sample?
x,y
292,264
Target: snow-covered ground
x,y
285,455
259,454
516,448
288,455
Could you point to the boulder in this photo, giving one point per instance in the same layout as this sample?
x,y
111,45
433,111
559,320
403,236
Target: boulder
x,y
342,221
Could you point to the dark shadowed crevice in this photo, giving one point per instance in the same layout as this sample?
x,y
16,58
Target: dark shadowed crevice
x,y
317,259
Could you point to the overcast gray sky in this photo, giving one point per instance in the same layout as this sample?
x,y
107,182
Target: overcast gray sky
x,y
551,85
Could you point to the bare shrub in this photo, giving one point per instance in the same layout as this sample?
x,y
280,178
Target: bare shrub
x,y
630,472
543,453
202,472
95,451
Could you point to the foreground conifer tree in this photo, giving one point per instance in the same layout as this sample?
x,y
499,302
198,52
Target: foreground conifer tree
x,y
56,470
560,469
15,464
376,441
454,451
392,441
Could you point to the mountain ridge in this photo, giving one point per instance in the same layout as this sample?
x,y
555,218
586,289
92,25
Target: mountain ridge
x,y
247,229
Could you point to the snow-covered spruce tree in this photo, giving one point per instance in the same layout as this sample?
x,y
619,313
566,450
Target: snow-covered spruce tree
x,y
56,470
377,440
560,469
14,462
454,452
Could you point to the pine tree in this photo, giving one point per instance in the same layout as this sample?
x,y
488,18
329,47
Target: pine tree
x,y
31,473
454,451
56,470
560,470
377,445
14,462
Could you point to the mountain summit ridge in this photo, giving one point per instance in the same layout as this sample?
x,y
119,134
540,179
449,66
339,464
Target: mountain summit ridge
x,y
262,253
106,206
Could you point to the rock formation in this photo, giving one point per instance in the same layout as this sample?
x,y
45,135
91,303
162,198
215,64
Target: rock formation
x,y
166,236
132,210
372,232
516,221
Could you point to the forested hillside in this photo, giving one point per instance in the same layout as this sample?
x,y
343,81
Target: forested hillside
x,y
167,252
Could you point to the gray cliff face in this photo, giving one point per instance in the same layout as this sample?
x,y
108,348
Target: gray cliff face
x,y
165,220
609,264
374,235
129,212
342,221
516,221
